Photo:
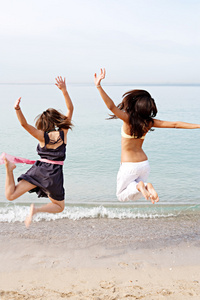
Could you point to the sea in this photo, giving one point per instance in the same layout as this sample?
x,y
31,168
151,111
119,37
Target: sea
x,y
93,152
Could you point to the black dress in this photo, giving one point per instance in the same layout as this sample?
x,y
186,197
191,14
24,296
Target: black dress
x,y
48,177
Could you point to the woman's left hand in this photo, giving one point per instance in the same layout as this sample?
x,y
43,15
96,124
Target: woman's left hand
x,y
60,83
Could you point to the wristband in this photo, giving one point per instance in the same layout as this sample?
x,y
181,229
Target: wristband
x,y
97,86
17,108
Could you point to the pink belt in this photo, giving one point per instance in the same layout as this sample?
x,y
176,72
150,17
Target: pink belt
x,y
18,160
54,162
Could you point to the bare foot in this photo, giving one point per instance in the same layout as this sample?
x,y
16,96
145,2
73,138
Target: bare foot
x,y
153,194
30,216
9,165
142,188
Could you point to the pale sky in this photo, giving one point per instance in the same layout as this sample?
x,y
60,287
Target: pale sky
x,y
150,41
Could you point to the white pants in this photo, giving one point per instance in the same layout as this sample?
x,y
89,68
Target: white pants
x,y
129,174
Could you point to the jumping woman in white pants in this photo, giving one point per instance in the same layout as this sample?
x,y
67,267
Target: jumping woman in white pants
x,y
137,111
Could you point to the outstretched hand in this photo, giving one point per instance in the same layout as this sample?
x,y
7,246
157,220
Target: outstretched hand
x,y
60,83
17,103
97,79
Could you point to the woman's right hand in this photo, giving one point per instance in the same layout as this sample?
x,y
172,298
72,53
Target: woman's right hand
x,y
97,79
17,103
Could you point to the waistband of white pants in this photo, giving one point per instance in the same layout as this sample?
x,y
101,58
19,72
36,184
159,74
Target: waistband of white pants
x,y
144,162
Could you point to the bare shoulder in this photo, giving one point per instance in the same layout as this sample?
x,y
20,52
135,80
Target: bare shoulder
x,y
120,114
65,131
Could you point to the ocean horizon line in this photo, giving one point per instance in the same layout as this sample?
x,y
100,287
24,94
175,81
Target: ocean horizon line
x,y
106,84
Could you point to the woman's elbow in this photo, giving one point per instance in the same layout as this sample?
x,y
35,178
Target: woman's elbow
x,y
24,125
71,108
111,107
177,125
71,111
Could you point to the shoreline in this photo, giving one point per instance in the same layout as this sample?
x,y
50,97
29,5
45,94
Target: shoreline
x,y
17,212
101,259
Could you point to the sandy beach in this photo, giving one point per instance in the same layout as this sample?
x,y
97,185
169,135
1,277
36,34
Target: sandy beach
x,y
101,259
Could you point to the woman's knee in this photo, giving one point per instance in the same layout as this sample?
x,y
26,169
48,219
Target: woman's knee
x,y
10,197
60,204
61,207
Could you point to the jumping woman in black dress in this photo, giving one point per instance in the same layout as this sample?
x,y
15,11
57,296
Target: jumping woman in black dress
x,y
45,177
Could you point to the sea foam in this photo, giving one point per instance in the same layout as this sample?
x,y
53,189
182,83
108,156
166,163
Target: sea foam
x,y
18,213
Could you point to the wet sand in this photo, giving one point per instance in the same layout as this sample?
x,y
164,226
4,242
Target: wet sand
x,y
101,259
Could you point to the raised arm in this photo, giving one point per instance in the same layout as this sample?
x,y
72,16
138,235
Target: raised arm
x,y
38,134
108,101
60,83
178,124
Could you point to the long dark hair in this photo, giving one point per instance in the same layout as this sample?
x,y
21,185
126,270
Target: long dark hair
x,y
52,119
141,109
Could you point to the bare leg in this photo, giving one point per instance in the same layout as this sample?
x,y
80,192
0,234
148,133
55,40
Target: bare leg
x,y
153,193
10,182
52,208
148,191
13,191
142,188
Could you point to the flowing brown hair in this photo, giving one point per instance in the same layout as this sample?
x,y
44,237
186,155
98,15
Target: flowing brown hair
x,y
52,119
141,109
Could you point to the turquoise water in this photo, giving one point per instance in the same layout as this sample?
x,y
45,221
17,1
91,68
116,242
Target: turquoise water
x,y
93,151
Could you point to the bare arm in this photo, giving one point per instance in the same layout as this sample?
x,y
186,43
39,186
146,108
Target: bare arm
x,y
38,134
60,83
107,100
178,124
